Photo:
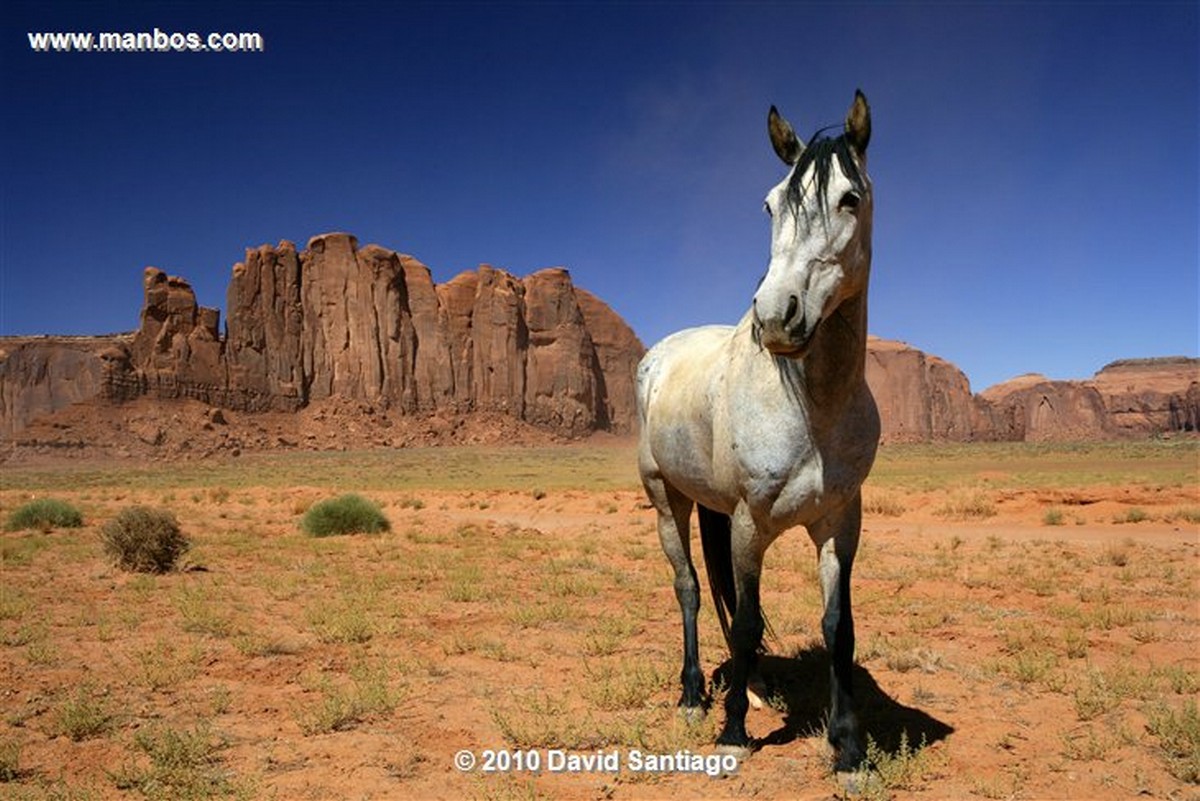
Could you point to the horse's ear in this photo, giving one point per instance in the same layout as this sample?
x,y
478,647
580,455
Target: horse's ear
x,y
783,138
858,123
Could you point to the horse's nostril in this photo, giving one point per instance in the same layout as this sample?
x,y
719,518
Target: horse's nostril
x,y
793,305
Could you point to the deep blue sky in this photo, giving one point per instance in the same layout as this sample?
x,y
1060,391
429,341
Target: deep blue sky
x,y
1035,165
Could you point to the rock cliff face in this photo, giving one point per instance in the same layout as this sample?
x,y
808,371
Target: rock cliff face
x,y
1149,395
177,351
921,398
361,324
1032,408
618,351
338,324
40,375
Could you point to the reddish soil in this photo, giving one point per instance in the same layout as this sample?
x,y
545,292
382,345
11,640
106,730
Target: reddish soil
x,y
1017,659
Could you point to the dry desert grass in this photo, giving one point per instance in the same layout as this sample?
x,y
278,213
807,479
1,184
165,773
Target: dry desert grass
x,y
1027,625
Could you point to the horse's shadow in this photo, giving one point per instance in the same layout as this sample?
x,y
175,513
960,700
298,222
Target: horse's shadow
x,y
801,683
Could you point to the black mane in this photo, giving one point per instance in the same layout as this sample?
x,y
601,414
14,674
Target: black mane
x,y
819,154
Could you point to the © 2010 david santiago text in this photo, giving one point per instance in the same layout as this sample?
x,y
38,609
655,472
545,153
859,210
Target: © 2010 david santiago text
x,y
558,760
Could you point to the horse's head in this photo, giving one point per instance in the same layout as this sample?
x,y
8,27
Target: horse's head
x,y
820,231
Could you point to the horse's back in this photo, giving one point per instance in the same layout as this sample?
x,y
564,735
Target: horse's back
x,y
679,368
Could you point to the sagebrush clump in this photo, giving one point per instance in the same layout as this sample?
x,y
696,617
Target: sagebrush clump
x,y
44,514
346,514
145,540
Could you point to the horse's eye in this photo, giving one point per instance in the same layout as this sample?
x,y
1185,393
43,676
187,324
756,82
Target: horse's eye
x,y
849,202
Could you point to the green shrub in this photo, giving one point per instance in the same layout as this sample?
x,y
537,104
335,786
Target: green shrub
x,y
144,540
44,514
346,514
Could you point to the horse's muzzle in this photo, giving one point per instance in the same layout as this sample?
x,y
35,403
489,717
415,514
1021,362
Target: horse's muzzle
x,y
788,336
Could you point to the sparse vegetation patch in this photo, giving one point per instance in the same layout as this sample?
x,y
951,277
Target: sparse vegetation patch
x,y
183,763
83,715
1178,733
997,656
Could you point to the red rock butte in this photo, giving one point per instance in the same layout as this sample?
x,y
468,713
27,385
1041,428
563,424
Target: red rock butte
x,y
336,323
363,324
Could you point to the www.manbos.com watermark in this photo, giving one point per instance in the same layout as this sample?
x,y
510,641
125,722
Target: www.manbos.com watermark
x,y
156,41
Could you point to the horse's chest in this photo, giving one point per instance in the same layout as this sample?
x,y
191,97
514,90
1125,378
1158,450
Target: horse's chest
x,y
789,476
813,490
788,491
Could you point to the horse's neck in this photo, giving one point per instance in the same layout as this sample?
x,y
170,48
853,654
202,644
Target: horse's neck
x,y
834,370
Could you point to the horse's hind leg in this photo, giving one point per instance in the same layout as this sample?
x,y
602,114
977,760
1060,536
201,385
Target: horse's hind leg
x,y
746,631
674,514
837,542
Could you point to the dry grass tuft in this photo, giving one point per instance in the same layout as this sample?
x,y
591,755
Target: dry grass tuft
x,y
967,505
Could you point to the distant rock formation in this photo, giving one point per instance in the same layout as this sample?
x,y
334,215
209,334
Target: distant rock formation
x,y
1134,397
1151,395
338,324
618,351
41,375
1032,408
177,350
337,321
924,398
921,398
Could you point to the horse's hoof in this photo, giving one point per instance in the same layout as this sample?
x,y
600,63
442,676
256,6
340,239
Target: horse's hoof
x,y
739,752
859,782
691,714
849,758
732,757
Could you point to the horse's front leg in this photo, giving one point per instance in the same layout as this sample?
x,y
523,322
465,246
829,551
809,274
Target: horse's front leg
x,y
746,630
837,540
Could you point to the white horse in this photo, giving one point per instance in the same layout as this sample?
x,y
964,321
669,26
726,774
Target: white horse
x,y
769,424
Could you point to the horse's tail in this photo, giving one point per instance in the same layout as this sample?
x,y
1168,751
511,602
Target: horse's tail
x,y
716,538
